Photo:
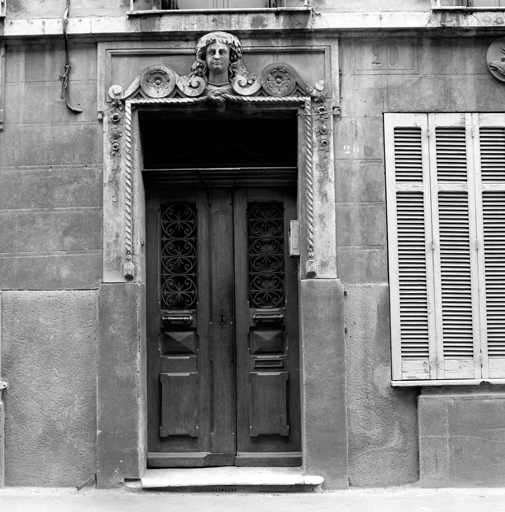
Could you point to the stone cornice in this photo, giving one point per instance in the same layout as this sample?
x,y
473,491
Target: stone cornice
x,y
100,27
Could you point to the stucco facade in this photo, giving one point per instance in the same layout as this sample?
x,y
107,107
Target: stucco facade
x,y
73,327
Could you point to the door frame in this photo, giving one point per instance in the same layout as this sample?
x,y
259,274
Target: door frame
x,y
322,368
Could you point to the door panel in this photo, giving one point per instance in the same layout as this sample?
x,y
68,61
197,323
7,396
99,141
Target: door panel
x,y
223,381
268,383
191,375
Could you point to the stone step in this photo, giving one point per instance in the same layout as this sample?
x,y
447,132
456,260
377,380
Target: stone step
x,y
231,479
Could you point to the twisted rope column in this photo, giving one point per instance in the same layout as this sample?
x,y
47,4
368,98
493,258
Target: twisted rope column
x,y
129,268
309,188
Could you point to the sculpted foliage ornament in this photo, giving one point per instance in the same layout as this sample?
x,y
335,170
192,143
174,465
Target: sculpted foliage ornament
x,y
217,77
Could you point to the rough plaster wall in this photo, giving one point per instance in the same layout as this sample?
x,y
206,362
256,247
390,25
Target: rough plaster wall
x,y
382,421
49,343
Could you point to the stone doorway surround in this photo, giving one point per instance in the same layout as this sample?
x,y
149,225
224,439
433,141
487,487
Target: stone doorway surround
x,y
121,389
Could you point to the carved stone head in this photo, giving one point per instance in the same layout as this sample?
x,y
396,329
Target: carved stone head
x,y
200,67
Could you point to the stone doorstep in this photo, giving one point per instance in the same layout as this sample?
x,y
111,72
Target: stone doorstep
x,y
231,478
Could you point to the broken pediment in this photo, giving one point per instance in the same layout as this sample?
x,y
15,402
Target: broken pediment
x,y
218,69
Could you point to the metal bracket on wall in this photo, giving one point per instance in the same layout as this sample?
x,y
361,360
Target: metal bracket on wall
x,y
65,95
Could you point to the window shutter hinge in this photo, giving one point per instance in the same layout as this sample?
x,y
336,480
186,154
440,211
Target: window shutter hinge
x,y
477,245
473,131
433,245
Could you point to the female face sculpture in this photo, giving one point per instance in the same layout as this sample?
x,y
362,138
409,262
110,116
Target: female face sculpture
x,y
218,57
218,62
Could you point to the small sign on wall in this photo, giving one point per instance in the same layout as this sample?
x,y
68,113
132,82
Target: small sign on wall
x,y
385,56
294,238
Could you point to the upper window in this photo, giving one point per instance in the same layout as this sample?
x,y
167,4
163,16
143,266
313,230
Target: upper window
x,y
446,242
169,5
469,3
216,4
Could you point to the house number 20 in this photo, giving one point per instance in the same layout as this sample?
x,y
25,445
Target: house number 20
x,y
385,55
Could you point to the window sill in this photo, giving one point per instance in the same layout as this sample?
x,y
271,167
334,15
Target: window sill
x,y
448,382
467,9
220,11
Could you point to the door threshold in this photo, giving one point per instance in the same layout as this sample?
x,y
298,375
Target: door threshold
x,y
231,479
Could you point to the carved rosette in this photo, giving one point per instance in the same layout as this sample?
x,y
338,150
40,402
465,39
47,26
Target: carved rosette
x,y
115,134
279,80
322,131
157,81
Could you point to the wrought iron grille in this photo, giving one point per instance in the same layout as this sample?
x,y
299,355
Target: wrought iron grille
x,y
178,256
266,255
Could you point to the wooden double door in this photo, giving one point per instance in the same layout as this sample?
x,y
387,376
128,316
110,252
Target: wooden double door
x,y
222,328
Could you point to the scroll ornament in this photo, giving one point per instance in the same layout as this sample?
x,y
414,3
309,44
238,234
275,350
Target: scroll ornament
x,y
158,81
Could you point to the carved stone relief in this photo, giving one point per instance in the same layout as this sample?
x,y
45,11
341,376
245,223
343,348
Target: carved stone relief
x,y
218,77
496,59
277,79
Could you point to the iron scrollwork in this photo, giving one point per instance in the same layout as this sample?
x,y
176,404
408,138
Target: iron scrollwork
x,y
178,257
266,255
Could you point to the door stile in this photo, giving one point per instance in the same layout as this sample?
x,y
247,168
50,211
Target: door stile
x,y
153,319
222,335
241,315
203,318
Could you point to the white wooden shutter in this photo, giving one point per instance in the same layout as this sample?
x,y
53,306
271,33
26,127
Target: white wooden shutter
x,y
455,250
409,246
490,196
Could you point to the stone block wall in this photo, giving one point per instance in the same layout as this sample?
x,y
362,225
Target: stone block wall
x,y
51,174
387,74
461,436
50,264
